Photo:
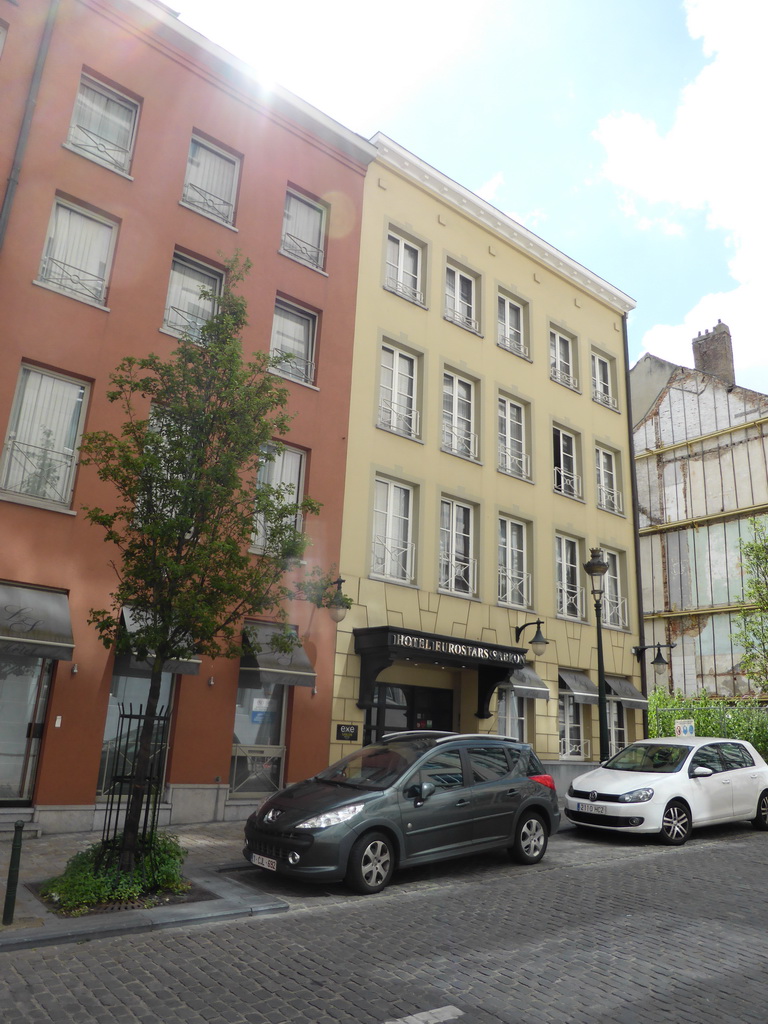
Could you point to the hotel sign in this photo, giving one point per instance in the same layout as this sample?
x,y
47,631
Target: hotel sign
x,y
424,645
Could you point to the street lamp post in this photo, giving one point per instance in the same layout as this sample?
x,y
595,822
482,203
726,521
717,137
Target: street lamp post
x,y
596,568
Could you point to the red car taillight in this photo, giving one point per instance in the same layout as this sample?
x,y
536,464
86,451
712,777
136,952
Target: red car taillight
x,y
545,780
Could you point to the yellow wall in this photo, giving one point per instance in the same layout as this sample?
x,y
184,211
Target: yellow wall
x,y
417,202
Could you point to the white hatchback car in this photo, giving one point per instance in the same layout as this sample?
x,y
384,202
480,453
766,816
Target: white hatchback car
x,y
670,786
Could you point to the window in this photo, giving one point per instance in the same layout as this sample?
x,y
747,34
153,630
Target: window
x,y
3,36
210,183
186,310
403,273
562,360
78,252
511,335
602,381
397,392
513,457
512,714
443,770
393,548
608,493
488,764
40,453
570,728
616,725
281,478
461,298
514,581
293,341
567,481
103,125
614,605
570,596
303,230
458,416
457,569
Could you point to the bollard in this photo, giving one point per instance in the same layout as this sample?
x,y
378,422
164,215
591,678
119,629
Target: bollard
x,y
13,874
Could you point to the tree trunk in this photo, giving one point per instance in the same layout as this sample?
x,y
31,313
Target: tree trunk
x,y
138,793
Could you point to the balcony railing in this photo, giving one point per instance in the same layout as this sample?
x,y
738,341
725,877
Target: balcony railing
x,y
458,575
609,499
72,279
458,441
574,748
512,341
294,366
208,203
514,588
570,601
405,290
184,321
615,612
393,559
514,462
567,483
398,417
462,319
603,397
563,377
38,471
98,147
292,245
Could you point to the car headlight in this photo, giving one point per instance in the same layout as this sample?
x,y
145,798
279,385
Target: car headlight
x,y
636,796
332,817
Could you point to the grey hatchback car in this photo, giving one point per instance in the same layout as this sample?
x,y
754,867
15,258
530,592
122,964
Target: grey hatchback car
x,y
412,798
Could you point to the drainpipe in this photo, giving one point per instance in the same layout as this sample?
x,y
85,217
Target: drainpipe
x,y
635,516
26,124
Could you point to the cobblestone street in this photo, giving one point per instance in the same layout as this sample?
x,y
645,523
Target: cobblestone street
x,y
604,930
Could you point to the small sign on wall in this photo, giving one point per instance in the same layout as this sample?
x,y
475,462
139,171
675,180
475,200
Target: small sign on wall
x,y
346,733
684,727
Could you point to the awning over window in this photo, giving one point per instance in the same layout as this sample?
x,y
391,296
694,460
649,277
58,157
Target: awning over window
x,y
527,683
628,694
268,666
35,623
581,686
188,667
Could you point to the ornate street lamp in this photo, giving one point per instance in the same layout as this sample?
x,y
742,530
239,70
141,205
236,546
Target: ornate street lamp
x,y
596,568
659,663
539,643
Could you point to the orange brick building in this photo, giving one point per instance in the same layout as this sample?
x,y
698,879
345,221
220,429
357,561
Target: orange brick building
x,y
136,156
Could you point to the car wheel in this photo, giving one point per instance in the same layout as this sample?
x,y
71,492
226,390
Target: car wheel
x,y
676,824
760,820
530,841
371,863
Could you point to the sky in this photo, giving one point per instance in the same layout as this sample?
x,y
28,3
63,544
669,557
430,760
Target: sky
x,y
627,133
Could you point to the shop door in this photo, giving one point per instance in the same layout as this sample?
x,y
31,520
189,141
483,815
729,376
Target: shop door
x,y
24,687
258,746
401,708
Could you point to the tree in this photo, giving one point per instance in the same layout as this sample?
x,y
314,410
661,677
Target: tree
x,y
184,469
752,634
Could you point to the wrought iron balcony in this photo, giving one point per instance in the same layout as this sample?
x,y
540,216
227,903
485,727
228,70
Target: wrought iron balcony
x,y
104,150
72,279
514,588
563,377
514,462
208,203
398,417
405,290
567,483
570,601
393,559
609,499
458,441
38,471
512,341
457,574
294,246
295,367
462,319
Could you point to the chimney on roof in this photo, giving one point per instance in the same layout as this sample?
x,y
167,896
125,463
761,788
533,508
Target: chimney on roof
x,y
713,353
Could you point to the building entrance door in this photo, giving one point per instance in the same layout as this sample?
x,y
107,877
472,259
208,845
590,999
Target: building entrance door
x,y
401,708
24,686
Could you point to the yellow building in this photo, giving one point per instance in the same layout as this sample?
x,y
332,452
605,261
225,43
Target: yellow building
x,y
489,452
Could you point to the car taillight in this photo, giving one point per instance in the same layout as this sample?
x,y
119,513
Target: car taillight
x,y
545,780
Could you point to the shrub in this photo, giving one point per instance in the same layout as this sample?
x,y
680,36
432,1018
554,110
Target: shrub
x,y
90,879
745,718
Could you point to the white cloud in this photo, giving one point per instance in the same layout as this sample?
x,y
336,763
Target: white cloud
x,y
490,189
711,160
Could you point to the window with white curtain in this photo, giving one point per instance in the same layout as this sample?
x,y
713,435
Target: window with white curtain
x,y
458,566
608,491
186,309
570,596
397,392
293,341
511,334
210,182
393,548
304,230
78,252
283,472
514,579
562,360
458,435
512,714
602,381
103,125
404,268
564,452
513,457
40,452
614,603
461,304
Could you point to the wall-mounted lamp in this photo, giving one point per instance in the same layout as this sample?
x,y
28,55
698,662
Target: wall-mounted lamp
x,y
539,643
211,680
74,670
659,663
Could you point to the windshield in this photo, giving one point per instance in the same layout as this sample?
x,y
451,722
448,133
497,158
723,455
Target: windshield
x,y
377,766
659,758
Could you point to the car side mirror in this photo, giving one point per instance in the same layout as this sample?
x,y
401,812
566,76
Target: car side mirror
x,y
701,772
420,792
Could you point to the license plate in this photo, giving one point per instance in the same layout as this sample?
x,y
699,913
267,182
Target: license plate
x,y
591,808
263,862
